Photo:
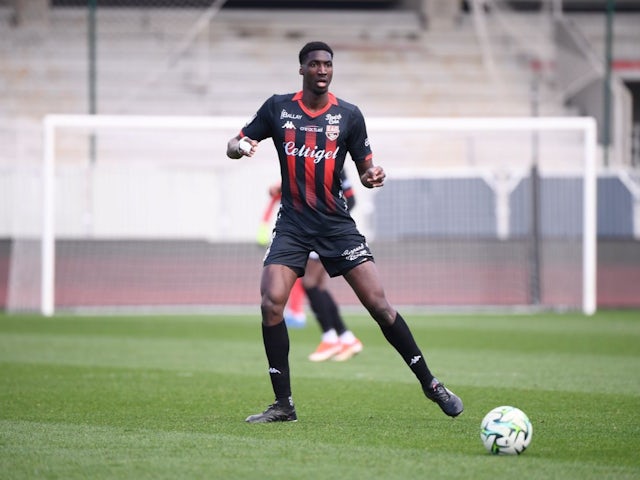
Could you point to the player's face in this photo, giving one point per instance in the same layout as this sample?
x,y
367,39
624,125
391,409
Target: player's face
x,y
317,72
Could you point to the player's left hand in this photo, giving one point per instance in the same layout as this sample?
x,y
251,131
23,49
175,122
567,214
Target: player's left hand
x,y
373,177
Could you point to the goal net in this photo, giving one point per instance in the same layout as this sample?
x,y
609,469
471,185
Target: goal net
x,y
148,213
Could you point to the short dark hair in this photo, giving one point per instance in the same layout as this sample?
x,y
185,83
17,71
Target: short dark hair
x,y
311,47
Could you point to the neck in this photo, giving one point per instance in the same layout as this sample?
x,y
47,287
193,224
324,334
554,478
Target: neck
x,y
313,101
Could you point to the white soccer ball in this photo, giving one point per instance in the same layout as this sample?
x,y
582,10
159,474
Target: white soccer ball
x,y
506,431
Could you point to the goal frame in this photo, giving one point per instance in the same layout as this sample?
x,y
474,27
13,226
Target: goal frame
x,y
587,125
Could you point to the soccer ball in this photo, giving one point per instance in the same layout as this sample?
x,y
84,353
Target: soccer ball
x,y
506,431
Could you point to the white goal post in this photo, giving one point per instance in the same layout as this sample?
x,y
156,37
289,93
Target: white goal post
x,y
413,128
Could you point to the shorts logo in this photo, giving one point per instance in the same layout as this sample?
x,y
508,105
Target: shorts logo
x,y
355,253
332,132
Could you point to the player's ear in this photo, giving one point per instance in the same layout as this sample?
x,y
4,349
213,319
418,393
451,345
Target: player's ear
x,y
300,70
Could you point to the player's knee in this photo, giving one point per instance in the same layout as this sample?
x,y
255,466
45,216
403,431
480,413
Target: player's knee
x,y
381,311
308,283
384,318
272,311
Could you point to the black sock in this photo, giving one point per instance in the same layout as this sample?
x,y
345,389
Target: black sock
x,y
276,346
334,313
402,340
319,306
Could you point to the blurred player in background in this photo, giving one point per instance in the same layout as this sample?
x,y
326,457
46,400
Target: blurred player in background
x,y
312,132
337,342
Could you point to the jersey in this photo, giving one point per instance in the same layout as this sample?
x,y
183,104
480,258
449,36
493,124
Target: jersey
x,y
312,148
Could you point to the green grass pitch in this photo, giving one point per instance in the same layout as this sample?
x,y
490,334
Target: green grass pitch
x,y
165,397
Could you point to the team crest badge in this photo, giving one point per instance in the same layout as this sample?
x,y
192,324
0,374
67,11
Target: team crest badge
x,y
332,131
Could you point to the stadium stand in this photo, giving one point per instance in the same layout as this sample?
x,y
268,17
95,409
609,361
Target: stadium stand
x,y
46,68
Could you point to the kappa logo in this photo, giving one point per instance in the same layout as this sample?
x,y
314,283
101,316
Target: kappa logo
x,y
289,125
415,360
275,371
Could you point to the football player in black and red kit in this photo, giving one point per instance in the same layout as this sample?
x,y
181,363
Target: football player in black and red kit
x,y
312,131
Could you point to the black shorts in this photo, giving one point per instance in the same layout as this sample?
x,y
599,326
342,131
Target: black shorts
x,y
338,254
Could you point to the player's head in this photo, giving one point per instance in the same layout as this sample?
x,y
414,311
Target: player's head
x,y
316,67
311,47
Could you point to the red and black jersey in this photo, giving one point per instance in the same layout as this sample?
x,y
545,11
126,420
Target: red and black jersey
x,y
312,147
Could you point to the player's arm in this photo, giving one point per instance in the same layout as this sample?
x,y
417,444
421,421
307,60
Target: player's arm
x,y
359,148
371,175
239,146
245,143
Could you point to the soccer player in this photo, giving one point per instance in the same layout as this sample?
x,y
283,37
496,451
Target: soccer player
x,y
312,131
338,342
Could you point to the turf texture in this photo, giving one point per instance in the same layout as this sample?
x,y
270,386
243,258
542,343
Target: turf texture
x,y
165,397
